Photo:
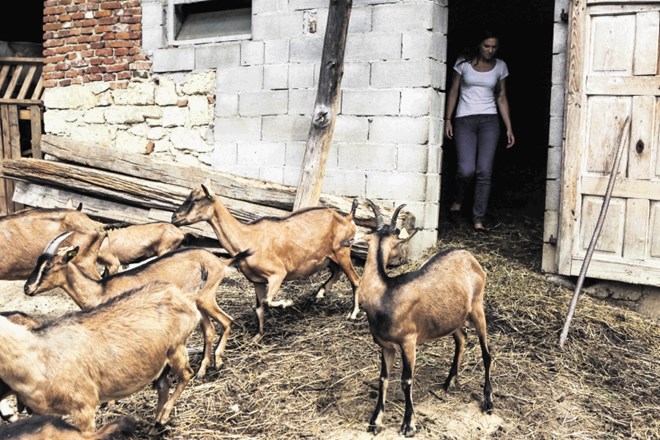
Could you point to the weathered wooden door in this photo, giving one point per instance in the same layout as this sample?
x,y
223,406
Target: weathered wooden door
x,y
613,73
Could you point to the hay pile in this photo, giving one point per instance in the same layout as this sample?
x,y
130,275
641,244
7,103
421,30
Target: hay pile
x,y
315,374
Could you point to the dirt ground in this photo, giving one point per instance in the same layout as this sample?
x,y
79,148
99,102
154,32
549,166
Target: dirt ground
x,y
315,374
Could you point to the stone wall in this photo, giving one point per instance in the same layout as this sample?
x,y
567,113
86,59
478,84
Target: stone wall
x,y
170,117
244,106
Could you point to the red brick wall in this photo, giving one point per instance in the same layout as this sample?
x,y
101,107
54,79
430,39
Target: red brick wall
x,y
93,40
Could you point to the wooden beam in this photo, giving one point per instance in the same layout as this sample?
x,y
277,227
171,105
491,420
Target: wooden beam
x,y
35,131
229,186
324,117
120,188
42,196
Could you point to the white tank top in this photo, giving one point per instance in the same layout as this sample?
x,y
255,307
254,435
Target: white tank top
x,y
477,93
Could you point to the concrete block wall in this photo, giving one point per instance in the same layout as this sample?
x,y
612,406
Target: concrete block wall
x,y
555,138
255,117
386,143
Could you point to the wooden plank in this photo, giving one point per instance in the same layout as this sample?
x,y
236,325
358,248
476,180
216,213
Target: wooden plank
x,y
642,272
4,200
15,77
624,187
622,85
257,192
640,153
43,196
612,44
574,126
4,71
647,35
21,60
38,90
121,188
105,158
14,145
324,116
636,229
604,117
20,101
35,131
27,81
6,154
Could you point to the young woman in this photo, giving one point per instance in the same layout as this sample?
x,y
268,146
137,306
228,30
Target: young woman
x,y
477,92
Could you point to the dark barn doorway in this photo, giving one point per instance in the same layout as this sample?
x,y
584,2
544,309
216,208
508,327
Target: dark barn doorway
x,y
526,31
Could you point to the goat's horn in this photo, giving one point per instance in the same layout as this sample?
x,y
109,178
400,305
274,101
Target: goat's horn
x,y
207,189
379,216
56,242
394,216
354,206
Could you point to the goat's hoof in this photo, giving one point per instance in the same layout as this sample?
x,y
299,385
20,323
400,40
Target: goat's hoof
x,y
451,383
284,303
157,429
487,405
408,429
257,338
374,429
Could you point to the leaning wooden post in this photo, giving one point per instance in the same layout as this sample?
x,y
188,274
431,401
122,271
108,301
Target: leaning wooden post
x,y
325,108
599,225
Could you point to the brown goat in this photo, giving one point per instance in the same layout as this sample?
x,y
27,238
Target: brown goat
x,y
283,248
6,413
69,366
55,428
194,270
137,243
26,234
412,308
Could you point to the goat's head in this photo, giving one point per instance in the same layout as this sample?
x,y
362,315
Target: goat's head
x,y
50,271
389,238
198,207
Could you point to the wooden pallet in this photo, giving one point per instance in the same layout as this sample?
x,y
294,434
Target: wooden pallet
x,y
21,90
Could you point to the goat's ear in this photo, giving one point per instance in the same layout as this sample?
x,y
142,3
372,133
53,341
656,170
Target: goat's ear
x,y
405,236
71,253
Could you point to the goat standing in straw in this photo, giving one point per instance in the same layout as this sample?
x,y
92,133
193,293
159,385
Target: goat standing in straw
x,y
71,365
196,271
283,248
418,306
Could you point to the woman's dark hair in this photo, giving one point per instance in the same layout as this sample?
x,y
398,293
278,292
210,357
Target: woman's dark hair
x,y
472,51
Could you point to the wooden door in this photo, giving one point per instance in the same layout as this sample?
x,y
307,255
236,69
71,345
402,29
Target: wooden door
x,y
613,73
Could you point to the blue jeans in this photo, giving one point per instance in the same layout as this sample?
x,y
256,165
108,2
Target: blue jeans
x,y
476,139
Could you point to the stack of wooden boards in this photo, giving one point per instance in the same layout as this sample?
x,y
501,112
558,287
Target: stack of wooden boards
x,y
137,188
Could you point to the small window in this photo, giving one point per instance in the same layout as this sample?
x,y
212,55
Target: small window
x,y
207,21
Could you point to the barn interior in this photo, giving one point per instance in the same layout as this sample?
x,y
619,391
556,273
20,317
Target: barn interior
x,y
525,29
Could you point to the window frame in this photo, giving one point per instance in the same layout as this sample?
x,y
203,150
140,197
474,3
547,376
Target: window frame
x,y
174,27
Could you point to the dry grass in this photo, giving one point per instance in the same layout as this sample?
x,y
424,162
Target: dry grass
x,y
314,375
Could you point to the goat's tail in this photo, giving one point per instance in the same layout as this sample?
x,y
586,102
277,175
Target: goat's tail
x,y
116,225
189,237
119,429
242,255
